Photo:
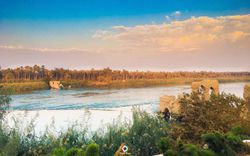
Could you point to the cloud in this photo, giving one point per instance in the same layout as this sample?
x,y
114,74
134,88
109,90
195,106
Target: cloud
x,y
193,34
176,13
14,47
168,18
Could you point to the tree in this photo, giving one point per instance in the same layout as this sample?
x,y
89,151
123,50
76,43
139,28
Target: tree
x,y
220,113
1,74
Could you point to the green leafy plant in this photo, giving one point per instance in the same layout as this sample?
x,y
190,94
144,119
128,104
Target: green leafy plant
x,y
92,150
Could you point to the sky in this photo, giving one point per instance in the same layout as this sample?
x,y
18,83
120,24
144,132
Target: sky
x,y
155,35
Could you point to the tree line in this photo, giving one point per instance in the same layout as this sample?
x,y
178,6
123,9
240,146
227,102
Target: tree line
x,y
40,72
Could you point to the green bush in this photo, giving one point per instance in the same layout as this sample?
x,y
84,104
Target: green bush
x,y
170,152
222,144
144,133
58,152
75,152
206,152
188,150
198,117
12,147
92,150
141,135
164,144
170,147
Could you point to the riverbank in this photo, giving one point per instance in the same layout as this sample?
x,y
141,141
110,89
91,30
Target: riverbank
x,y
28,86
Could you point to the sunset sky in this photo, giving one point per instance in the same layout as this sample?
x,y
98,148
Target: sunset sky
x,y
156,35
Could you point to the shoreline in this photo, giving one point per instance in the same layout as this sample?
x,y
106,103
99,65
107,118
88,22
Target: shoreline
x,y
30,86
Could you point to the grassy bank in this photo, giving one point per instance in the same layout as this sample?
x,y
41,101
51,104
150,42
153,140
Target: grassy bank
x,y
23,87
145,82
27,86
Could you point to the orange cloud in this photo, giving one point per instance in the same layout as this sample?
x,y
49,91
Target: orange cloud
x,y
193,34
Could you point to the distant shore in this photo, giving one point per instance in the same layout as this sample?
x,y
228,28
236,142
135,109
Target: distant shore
x,y
20,87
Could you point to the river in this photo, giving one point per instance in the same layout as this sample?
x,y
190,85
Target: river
x,y
65,107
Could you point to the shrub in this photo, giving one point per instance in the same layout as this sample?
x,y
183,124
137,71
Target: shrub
x,y
188,150
58,152
170,152
223,144
164,144
92,150
75,152
170,147
141,135
4,102
206,152
12,147
220,113
144,133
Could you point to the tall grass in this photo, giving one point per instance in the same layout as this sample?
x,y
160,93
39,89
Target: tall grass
x,y
27,86
23,87
140,134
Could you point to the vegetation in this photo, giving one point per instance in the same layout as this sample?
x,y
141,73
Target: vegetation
x,y
24,79
214,144
220,113
4,103
92,150
23,87
141,136
205,128
103,75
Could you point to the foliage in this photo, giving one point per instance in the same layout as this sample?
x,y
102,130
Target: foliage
x,y
220,113
141,135
10,146
4,103
202,122
144,133
58,152
178,148
164,144
40,72
76,152
23,87
224,144
70,152
92,150
104,78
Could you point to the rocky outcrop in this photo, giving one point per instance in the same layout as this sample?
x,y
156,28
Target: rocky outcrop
x,y
171,103
206,88
246,93
55,84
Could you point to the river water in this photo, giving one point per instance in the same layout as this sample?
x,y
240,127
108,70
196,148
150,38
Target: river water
x,y
65,107
103,99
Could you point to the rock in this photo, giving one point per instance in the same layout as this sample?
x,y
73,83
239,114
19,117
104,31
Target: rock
x,y
246,93
247,142
55,84
206,88
171,103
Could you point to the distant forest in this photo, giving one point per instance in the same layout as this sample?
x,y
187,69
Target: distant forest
x,y
40,73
